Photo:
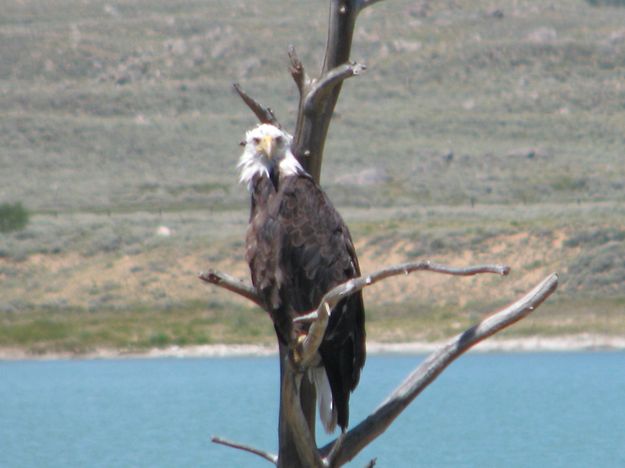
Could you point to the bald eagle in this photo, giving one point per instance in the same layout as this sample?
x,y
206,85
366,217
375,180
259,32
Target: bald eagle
x,y
298,248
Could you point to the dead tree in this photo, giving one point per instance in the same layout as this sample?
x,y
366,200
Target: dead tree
x,y
297,446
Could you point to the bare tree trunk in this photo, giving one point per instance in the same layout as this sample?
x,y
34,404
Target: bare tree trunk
x,y
312,124
296,427
287,451
316,106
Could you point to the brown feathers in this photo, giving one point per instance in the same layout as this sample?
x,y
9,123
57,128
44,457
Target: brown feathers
x,y
298,248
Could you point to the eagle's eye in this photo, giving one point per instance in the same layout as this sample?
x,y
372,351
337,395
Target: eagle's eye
x,y
279,139
242,143
256,140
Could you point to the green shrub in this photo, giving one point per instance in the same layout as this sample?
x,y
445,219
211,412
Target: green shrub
x,y
159,339
595,237
13,217
598,269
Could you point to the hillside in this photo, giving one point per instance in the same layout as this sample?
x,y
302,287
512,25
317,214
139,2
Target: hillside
x,y
481,132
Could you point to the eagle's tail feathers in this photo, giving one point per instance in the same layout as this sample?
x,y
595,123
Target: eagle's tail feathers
x,y
327,412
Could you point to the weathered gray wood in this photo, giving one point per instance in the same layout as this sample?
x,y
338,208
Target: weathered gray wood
x,y
293,420
237,286
246,448
264,114
307,350
317,101
313,121
375,424
316,106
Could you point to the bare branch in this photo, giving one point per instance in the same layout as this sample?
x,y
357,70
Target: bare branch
x,y
307,351
312,127
228,443
264,114
427,265
230,283
322,87
314,338
376,423
317,100
343,290
297,71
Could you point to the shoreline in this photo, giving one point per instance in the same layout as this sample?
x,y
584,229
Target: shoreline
x,y
564,343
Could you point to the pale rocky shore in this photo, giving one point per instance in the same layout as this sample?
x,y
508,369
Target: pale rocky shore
x,y
567,343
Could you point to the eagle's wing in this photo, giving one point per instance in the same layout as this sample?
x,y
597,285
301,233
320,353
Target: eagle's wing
x,y
261,250
317,254
316,248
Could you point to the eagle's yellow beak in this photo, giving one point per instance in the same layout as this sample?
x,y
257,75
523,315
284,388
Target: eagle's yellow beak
x,y
266,146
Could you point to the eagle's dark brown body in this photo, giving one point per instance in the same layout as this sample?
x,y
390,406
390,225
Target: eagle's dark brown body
x,y
298,248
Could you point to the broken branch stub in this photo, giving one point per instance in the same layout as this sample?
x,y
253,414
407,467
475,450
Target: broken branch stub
x,y
232,284
264,114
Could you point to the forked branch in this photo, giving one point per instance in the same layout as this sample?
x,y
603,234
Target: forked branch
x,y
320,317
248,291
317,93
313,120
376,423
316,106
318,97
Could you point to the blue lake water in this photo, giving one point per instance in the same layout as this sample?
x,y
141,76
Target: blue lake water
x,y
486,410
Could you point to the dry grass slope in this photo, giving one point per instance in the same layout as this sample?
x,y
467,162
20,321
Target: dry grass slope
x,y
477,134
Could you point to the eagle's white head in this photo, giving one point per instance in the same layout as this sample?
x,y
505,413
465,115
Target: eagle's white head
x,y
267,152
